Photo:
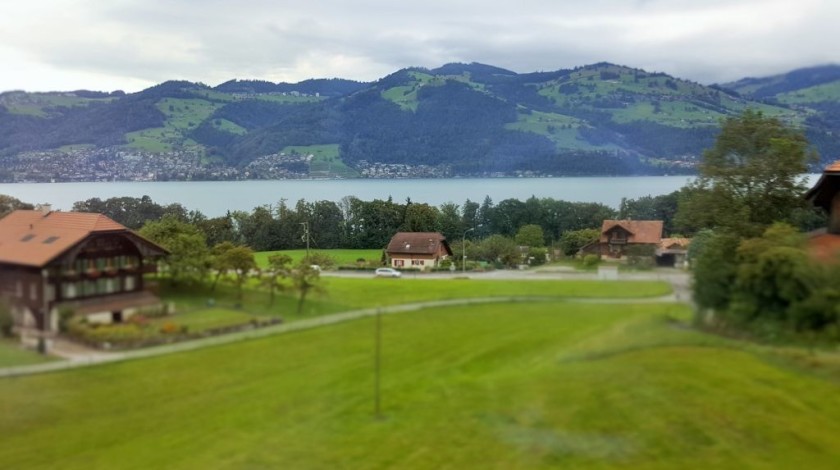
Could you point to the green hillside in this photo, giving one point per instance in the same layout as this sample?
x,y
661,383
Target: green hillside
x,y
472,119
542,385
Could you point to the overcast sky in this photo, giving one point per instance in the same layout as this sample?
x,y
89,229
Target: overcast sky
x,y
133,44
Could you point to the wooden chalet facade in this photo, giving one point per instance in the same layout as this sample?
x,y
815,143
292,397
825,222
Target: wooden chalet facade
x,y
617,235
417,250
82,263
825,244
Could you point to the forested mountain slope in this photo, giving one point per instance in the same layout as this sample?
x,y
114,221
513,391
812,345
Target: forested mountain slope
x,y
466,119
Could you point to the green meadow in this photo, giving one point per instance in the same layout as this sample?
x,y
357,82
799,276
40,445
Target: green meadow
x,y
341,257
337,294
495,386
12,354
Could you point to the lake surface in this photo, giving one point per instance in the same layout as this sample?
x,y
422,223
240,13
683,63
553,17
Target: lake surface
x,y
214,198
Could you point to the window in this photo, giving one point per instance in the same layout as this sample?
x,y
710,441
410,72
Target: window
x,y
33,291
399,262
68,290
27,237
50,240
417,262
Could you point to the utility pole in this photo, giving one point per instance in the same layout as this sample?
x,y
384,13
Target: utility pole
x,y
464,250
306,237
377,365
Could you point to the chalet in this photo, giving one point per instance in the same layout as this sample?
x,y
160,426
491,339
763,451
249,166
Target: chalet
x,y
618,235
82,263
419,250
824,244
672,252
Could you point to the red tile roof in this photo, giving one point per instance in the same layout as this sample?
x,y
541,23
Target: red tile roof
x,y
825,247
674,243
418,243
833,167
641,231
33,238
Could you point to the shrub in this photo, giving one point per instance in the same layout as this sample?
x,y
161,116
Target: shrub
x,y
64,316
590,261
537,256
640,256
321,259
169,328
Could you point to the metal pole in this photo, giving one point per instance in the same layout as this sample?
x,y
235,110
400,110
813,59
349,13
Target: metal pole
x,y
464,250
378,365
306,237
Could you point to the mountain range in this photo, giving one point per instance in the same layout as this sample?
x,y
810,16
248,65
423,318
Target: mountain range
x,y
464,119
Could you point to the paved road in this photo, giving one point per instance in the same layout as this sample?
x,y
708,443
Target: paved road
x,y
78,356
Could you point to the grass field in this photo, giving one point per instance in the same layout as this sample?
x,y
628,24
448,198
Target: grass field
x,y
510,386
341,256
11,354
343,294
205,319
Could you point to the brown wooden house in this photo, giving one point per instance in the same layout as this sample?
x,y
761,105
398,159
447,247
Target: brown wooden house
x,y
82,263
825,244
418,250
617,235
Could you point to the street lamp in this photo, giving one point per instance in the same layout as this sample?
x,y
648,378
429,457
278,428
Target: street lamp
x,y
464,250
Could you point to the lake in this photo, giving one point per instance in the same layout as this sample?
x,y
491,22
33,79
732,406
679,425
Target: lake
x,y
214,198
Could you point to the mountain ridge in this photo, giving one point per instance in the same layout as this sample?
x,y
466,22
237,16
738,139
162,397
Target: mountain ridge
x,y
462,118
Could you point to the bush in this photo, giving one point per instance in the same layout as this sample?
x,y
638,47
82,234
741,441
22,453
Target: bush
x,y
537,256
590,261
640,256
64,316
321,259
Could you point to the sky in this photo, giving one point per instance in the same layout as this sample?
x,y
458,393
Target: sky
x,y
129,45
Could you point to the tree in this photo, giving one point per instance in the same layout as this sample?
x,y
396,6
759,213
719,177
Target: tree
x,y
773,273
573,240
449,221
304,280
662,208
189,257
530,235
749,179
219,261
500,249
277,270
240,260
9,204
420,218
713,256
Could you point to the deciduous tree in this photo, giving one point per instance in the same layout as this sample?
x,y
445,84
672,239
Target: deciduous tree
x,y
189,257
749,179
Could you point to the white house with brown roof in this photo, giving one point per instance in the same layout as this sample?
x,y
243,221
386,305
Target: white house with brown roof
x,y
83,263
417,250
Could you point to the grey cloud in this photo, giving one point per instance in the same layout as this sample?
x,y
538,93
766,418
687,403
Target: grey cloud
x,y
214,40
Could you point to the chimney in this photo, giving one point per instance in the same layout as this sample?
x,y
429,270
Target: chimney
x,y
44,208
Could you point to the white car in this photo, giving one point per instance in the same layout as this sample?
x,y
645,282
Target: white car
x,y
387,272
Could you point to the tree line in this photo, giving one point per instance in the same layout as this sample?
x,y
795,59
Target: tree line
x,y
356,223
